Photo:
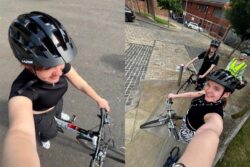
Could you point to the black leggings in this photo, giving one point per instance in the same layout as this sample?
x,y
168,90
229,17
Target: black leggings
x,y
45,124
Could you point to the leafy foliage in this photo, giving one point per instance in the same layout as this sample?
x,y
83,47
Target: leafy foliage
x,y
239,16
174,5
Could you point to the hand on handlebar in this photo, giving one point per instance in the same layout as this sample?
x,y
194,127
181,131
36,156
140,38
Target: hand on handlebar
x,y
201,76
171,96
103,103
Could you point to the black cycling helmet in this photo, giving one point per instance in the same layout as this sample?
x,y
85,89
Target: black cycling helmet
x,y
224,78
40,40
246,51
215,43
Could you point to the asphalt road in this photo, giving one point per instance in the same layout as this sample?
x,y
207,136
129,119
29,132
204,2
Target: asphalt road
x,y
97,28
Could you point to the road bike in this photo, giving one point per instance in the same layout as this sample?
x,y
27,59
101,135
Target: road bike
x,y
99,141
168,117
192,80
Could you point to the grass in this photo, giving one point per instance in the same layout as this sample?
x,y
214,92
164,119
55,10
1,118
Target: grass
x,y
238,151
157,19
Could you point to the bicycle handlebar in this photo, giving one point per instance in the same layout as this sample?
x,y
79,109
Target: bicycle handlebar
x,y
105,116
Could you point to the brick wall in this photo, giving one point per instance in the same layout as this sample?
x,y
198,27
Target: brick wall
x,y
141,6
216,27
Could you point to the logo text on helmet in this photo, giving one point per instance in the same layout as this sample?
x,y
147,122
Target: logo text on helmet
x,y
27,61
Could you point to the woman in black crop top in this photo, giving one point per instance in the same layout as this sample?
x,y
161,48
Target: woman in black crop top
x,y
210,60
203,122
44,48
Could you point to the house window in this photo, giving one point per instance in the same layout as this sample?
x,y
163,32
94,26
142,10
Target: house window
x,y
202,8
219,13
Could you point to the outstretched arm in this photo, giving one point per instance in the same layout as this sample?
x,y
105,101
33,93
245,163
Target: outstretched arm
x,y
187,94
202,149
78,82
20,142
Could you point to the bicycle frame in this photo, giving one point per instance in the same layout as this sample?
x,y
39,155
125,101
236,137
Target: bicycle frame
x,y
101,147
167,119
192,79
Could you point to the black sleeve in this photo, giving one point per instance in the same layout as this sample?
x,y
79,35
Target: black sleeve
x,y
202,55
216,60
66,68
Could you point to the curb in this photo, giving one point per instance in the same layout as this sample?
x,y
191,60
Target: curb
x,y
155,24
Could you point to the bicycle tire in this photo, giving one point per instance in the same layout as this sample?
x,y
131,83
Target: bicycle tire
x,y
119,156
92,163
154,123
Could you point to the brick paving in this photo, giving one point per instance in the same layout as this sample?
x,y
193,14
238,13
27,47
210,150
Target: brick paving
x,y
136,61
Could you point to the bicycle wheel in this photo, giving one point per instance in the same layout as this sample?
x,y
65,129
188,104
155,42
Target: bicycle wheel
x,y
113,152
93,163
117,154
154,123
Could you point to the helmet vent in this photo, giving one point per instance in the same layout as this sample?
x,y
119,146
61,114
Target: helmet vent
x,y
32,27
60,39
50,46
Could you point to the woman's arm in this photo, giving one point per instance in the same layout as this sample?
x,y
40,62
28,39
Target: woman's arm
x,y
20,141
202,149
187,94
208,71
190,62
78,82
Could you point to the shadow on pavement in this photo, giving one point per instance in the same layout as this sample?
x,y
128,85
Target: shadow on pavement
x,y
115,61
4,120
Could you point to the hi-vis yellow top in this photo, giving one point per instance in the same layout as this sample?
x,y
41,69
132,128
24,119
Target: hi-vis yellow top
x,y
235,69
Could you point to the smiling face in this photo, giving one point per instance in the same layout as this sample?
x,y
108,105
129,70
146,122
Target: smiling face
x,y
50,75
214,91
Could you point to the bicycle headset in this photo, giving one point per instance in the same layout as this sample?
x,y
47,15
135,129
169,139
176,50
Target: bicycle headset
x,y
215,43
40,40
224,78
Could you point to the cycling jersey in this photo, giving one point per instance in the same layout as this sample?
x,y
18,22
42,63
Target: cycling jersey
x,y
43,95
199,108
207,61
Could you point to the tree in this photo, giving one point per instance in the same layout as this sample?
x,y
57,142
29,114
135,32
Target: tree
x,y
239,15
174,5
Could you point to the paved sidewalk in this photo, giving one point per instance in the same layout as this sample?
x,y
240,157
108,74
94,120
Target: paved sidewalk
x,y
151,147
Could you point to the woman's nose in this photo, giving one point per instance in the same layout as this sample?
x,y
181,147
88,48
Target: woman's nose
x,y
57,71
